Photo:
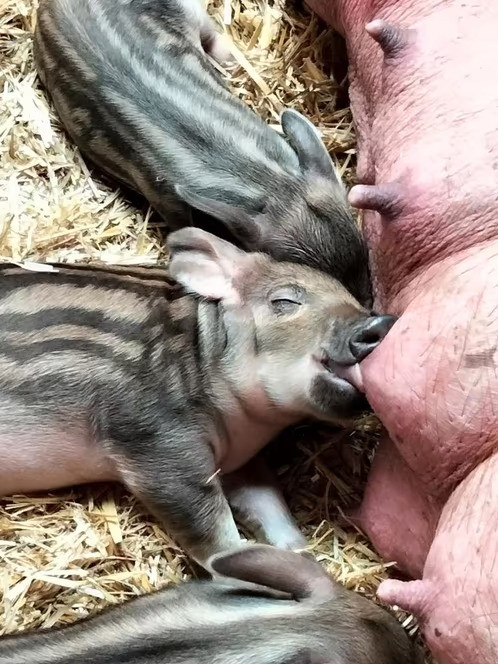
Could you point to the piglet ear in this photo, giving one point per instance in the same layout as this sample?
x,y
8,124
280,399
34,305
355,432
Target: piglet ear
x,y
309,147
246,228
286,571
204,264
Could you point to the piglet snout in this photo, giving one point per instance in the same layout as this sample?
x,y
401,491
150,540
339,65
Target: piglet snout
x,y
351,373
367,335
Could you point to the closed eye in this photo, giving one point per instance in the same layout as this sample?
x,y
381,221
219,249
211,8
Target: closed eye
x,y
283,305
287,299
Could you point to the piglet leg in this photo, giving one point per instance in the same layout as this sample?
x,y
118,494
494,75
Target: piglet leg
x,y
179,484
259,505
215,44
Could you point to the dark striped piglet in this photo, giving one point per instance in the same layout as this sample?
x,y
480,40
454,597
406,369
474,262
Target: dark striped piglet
x,y
134,88
110,373
265,606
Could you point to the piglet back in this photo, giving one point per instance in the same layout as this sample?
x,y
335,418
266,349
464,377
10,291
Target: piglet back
x,y
136,92
232,619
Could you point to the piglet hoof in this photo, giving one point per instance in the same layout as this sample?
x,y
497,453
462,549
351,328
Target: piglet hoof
x,y
218,47
293,542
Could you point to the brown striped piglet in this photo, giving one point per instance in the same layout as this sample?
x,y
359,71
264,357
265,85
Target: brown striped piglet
x,y
134,88
162,381
265,606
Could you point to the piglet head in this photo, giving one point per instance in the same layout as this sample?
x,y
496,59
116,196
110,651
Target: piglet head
x,y
300,216
338,625
293,333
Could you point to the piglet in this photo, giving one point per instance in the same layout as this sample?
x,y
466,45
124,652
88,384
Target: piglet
x,y
134,88
168,382
265,606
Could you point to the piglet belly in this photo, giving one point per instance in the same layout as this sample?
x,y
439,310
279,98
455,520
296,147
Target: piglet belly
x,y
434,380
42,461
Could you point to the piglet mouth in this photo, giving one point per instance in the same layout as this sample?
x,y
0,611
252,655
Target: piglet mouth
x,y
351,373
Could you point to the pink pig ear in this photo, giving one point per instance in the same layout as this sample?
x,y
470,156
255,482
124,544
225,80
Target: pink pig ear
x,y
204,264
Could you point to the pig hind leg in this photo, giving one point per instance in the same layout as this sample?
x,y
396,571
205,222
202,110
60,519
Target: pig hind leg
x,y
176,480
258,504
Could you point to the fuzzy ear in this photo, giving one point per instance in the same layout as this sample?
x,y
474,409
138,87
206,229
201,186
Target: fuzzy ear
x,y
242,225
203,263
283,570
309,147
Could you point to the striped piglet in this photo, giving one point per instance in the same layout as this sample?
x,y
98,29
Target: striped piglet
x,y
163,380
295,614
133,86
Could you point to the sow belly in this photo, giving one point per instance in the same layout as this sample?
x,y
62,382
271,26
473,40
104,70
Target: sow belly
x,y
434,384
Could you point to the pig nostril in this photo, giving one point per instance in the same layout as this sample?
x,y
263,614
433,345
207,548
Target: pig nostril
x,y
373,330
371,338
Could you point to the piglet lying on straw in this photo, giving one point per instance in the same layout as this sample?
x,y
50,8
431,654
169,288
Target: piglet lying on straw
x,y
295,614
135,89
173,382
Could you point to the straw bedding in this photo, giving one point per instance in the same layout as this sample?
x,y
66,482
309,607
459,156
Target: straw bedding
x,y
72,552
